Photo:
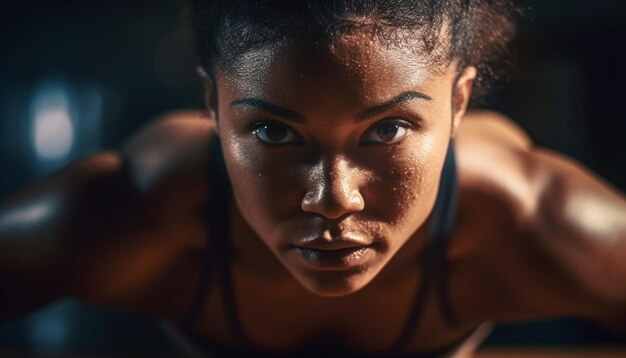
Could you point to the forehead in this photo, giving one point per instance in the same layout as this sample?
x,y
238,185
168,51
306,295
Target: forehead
x,y
354,68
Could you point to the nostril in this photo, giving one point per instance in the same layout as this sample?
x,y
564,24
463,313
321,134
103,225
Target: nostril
x,y
332,204
333,189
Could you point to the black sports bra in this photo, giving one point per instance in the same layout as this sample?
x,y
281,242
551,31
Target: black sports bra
x,y
218,258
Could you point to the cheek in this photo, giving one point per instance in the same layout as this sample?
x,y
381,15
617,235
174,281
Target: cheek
x,y
405,190
264,190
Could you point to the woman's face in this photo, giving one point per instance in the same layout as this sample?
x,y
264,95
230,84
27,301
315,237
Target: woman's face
x,y
335,152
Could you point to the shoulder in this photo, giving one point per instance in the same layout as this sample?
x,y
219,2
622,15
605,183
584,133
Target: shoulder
x,y
130,219
495,128
168,160
173,126
173,143
165,163
494,160
565,222
164,160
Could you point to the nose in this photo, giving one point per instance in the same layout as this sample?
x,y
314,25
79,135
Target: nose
x,y
333,189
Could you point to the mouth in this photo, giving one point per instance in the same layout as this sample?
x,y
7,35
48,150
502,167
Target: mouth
x,y
337,257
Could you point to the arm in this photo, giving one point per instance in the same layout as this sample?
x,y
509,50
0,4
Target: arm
x,y
116,229
50,230
579,223
563,248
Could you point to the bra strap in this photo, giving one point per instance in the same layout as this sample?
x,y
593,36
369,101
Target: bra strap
x,y
223,248
214,214
434,267
443,233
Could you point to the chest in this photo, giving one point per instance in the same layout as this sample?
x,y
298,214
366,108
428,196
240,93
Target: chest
x,y
284,318
279,317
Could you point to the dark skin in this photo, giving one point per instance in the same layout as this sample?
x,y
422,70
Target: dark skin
x,y
537,235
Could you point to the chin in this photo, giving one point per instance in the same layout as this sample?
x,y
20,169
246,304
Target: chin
x,y
334,283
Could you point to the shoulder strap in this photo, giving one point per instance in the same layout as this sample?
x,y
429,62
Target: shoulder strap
x,y
434,264
215,213
442,232
222,249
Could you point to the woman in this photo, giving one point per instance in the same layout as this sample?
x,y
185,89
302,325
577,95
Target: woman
x,y
336,198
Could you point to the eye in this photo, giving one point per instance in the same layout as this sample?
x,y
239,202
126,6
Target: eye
x,y
387,132
270,132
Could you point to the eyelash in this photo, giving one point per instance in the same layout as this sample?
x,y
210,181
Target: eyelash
x,y
254,125
393,120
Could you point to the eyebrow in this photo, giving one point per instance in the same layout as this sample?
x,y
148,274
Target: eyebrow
x,y
270,108
296,117
385,106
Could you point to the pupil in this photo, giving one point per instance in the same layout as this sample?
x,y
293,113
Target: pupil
x,y
387,131
276,133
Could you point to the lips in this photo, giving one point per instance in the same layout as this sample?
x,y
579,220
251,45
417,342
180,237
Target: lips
x,y
335,244
336,254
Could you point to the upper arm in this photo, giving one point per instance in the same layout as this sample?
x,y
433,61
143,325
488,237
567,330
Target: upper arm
x,y
48,228
37,221
111,228
580,224
568,225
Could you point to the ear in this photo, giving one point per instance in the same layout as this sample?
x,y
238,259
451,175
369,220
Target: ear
x,y
210,93
461,94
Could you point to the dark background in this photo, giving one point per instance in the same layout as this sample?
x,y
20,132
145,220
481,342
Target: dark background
x,y
112,66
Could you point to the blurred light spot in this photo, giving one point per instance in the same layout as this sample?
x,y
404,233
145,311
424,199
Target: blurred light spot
x,y
53,134
29,214
53,130
50,330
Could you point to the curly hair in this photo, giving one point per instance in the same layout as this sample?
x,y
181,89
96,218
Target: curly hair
x,y
477,32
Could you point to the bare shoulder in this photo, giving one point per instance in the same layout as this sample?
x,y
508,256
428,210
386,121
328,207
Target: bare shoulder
x,y
172,126
166,163
496,128
493,158
131,220
566,225
174,146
